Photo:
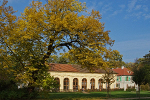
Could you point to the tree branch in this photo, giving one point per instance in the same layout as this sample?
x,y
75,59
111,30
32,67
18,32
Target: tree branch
x,y
67,44
15,56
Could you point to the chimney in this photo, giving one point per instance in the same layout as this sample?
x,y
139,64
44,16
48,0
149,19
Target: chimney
x,y
122,67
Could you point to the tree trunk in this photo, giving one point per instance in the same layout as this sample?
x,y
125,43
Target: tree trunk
x,y
30,88
139,90
108,90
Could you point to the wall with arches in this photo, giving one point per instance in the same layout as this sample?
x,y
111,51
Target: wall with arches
x,y
73,81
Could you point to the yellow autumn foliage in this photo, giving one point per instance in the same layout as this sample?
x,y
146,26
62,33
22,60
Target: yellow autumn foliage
x,y
43,29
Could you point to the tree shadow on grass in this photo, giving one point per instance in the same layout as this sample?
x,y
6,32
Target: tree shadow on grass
x,y
98,95
70,96
129,94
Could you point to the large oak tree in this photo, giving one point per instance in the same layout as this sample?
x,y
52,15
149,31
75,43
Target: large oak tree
x,y
27,41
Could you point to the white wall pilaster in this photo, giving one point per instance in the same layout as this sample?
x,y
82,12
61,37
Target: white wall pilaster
x,y
96,83
79,83
88,83
70,83
61,82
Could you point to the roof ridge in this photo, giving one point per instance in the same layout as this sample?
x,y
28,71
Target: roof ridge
x,y
72,68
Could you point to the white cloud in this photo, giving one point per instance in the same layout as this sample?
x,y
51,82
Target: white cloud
x,y
115,13
103,8
132,49
92,5
145,8
137,15
118,11
147,16
100,3
122,6
10,1
129,45
106,8
131,5
17,1
137,7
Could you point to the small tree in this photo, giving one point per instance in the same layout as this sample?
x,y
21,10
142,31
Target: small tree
x,y
108,78
114,60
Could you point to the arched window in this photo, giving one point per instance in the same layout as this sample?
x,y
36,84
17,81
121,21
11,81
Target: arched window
x,y
92,82
84,83
100,84
58,82
75,84
66,84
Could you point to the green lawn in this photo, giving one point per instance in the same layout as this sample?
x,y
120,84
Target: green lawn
x,y
93,95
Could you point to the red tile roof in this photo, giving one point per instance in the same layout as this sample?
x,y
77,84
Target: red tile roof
x,y
62,67
123,71
71,68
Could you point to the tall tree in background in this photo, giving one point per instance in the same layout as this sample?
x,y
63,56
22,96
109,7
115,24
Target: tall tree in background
x,y
129,65
147,59
141,69
43,29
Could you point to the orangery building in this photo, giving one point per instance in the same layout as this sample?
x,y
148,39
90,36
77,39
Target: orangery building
x,y
73,78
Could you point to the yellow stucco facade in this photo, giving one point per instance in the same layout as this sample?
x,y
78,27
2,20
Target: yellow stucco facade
x,y
80,76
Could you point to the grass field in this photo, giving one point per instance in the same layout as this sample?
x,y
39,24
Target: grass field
x,y
92,95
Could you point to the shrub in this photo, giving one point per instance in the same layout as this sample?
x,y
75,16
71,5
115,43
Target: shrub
x,y
79,90
142,87
17,94
117,89
105,90
10,91
130,89
145,87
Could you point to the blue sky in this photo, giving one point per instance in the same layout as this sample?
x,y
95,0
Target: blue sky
x,y
128,21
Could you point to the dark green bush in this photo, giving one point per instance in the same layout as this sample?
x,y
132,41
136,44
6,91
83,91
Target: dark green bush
x,y
10,91
17,94
117,89
142,87
131,89
104,90
145,87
